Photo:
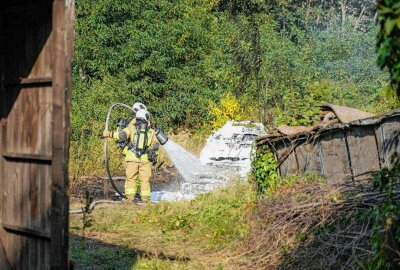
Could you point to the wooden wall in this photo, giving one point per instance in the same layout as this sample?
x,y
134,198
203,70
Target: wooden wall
x,y
35,85
351,152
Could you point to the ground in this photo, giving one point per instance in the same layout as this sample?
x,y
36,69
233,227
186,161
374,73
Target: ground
x,y
304,223
197,234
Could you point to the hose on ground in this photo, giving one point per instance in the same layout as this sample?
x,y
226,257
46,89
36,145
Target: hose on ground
x,y
91,206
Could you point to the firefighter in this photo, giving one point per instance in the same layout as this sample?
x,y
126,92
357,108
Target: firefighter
x,y
140,154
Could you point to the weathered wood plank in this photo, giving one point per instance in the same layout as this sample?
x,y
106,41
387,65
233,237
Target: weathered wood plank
x,y
4,262
39,81
25,52
308,156
27,231
24,195
334,156
363,151
28,44
27,156
61,131
30,117
390,139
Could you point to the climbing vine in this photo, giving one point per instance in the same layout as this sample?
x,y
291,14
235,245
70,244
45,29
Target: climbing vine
x,y
265,169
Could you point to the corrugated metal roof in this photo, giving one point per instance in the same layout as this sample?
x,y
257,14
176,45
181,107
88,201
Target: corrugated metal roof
x,y
290,131
346,114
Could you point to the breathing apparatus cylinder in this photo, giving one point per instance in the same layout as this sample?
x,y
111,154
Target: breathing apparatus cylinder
x,y
161,137
141,139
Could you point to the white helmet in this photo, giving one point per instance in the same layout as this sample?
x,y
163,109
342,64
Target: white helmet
x,y
138,106
143,114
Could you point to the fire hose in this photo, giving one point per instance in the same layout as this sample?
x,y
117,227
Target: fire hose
x,y
161,137
105,149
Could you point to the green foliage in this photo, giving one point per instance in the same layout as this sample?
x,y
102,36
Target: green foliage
x,y
264,169
264,173
386,234
87,156
299,111
386,100
279,59
87,221
166,54
389,39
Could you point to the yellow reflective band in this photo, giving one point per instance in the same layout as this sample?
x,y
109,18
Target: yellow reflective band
x,y
150,137
130,191
141,141
146,193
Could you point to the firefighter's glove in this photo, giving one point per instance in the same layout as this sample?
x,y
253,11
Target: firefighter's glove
x,y
106,134
152,156
156,146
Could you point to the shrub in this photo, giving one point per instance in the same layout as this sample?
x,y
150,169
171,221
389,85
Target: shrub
x,y
227,109
264,169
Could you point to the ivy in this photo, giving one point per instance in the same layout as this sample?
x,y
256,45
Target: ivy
x,y
265,170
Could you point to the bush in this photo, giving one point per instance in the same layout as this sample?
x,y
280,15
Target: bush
x,y
227,109
264,170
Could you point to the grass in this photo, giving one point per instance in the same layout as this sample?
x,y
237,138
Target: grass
x,y
197,234
226,229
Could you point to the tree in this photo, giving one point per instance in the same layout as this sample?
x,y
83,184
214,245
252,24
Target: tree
x,y
389,40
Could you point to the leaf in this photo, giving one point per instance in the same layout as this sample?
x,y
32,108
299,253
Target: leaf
x,y
382,10
396,6
389,25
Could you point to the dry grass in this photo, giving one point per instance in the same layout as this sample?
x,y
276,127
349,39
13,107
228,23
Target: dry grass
x,y
311,227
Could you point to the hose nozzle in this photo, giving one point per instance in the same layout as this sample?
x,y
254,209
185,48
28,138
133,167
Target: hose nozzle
x,y
161,137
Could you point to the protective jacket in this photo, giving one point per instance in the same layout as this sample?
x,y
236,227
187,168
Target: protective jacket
x,y
131,133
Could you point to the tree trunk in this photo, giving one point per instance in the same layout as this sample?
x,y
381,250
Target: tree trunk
x,y
267,119
343,11
308,11
321,7
358,21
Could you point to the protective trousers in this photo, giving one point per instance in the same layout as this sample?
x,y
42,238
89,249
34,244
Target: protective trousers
x,y
138,173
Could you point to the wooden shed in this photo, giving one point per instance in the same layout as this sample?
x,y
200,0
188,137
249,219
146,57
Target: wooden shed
x,y
35,89
349,145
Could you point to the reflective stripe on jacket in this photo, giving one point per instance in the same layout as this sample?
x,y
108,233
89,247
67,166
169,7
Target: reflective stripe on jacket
x,y
130,131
